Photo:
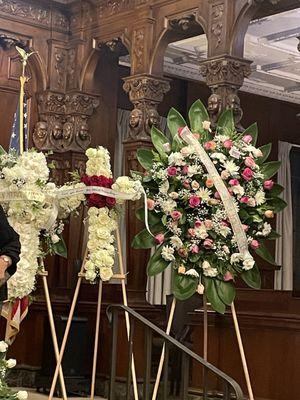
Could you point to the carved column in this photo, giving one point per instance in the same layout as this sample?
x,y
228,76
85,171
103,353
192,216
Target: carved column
x,y
145,92
225,75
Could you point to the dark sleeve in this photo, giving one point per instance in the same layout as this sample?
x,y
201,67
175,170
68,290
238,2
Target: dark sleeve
x,y
9,242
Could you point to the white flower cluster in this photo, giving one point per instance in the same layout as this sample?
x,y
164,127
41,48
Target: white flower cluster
x,y
5,391
101,224
126,185
98,162
69,204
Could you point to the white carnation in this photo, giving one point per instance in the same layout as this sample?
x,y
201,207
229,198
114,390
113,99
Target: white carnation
x,y
3,346
167,253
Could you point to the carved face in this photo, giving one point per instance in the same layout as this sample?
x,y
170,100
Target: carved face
x,y
233,102
41,130
153,117
84,131
67,133
135,117
57,131
213,103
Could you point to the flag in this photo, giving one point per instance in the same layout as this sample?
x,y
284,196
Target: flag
x,y
15,133
14,313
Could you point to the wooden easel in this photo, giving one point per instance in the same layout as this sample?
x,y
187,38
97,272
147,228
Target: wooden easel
x,y
205,345
81,276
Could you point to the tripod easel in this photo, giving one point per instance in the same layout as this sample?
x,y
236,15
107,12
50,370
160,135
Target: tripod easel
x,y
81,276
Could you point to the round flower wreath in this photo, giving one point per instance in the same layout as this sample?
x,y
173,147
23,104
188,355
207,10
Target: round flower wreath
x,y
191,229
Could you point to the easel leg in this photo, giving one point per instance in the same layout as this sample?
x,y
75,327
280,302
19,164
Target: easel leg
x,y
97,328
54,337
124,293
242,352
65,338
162,357
205,345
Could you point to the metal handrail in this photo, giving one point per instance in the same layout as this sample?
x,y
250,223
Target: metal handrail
x,y
229,381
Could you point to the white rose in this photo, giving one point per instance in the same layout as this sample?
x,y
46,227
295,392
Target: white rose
x,y
206,125
206,265
248,263
195,185
186,151
106,273
3,347
22,395
11,363
91,153
55,238
90,275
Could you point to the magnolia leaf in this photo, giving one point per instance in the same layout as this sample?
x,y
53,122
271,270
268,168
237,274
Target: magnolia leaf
x,y
143,240
60,248
184,286
158,140
175,121
269,169
226,121
266,150
177,144
226,291
212,295
145,158
276,190
153,217
252,277
252,130
273,235
277,204
157,264
264,253
197,114
2,151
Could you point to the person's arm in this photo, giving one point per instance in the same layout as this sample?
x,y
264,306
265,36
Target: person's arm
x,y
9,247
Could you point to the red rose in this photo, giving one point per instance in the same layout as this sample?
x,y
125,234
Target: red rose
x,y
110,202
95,200
85,179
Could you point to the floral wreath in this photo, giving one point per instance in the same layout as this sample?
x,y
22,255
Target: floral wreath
x,y
190,226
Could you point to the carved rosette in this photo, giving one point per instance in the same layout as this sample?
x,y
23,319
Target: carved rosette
x,y
145,92
225,75
63,124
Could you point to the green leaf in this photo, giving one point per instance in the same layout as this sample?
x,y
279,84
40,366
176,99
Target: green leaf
x,y
197,114
60,248
158,140
277,204
226,291
157,264
212,295
266,150
264,253
252,130
174,121
153,217
143,240
276,190
226,121
252,277
273,235
145,158
2,151
184,286
269,169
177,144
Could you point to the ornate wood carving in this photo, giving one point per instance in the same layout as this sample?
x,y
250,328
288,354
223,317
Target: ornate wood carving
x,y
9,40
112,7
217,16
32,13
138,48
145,92
63,124
60,68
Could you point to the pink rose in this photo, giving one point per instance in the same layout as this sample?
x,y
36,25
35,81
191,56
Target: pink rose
x,y
194,201
247,139
198,224
195,249
176,215
159,238
244,199
249,162
208,224
225,175
183,252
186,185
185,170
245,227
228,276
208,244
234,182
196,136
217,195
247,174
150,204
191,232
254,244
228,143
268,184
172,171
179,130
211,145
230,191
